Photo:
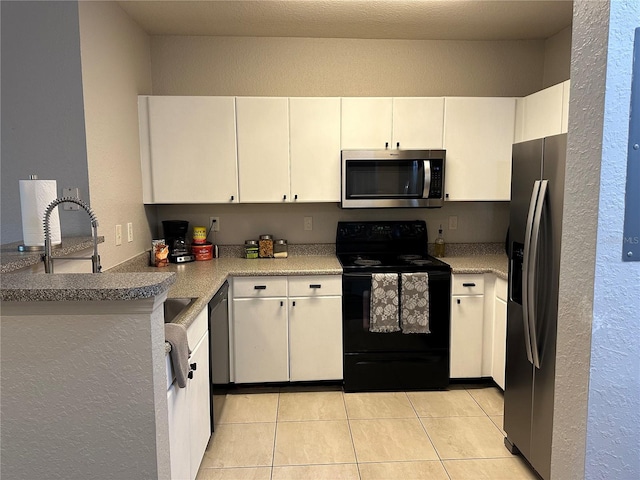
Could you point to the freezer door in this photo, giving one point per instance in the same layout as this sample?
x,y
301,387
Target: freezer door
x,y
518,395
548,266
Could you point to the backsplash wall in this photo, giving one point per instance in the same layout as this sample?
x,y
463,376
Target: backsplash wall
x,y
478,222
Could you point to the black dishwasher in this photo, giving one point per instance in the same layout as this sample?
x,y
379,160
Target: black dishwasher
x,y
219,350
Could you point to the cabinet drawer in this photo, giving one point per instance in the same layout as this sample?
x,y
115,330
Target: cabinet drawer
x,y
467,284
315,285
259,287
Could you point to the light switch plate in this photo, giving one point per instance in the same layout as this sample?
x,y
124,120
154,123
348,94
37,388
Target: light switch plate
x,y
129,232
71,192
453,222
118,234
308,223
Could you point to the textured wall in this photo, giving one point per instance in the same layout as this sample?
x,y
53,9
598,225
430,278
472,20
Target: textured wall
x,y
42,111
557,58
83,398
477,221
344,67
575,304
115,70
613,432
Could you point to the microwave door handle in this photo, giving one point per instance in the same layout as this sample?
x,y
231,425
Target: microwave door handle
x,y
426,189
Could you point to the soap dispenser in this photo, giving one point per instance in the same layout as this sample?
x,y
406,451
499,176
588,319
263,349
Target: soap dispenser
x,y
439,244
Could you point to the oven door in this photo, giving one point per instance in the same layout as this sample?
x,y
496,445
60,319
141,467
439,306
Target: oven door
x,y
356,296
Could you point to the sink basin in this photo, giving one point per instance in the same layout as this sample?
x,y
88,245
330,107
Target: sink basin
x,y
175,306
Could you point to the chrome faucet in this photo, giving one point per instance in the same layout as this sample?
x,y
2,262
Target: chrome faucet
x,y
48,259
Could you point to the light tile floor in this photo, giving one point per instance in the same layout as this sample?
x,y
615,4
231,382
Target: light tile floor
x,y
294,434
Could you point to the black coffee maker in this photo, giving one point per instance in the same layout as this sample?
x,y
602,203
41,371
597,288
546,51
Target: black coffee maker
x,y
175,234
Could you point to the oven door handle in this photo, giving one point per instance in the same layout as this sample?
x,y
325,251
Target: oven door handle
x,y
426,189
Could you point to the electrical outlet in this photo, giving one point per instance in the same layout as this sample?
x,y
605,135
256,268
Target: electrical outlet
x,y
129,232
216,225
453,222
308,223
118,234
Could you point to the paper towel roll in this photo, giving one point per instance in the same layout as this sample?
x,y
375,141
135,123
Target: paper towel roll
x,y
35,197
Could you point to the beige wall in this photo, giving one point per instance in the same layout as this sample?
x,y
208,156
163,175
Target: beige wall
x,y
344,67
557,58
477,221
115,70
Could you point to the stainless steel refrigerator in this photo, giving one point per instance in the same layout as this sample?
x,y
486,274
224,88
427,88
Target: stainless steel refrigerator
x,y
537,195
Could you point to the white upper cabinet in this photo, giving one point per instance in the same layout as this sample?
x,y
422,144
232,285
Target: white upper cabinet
x,y
542,116
314,126
190,136
263,149
366,122
417,123
478,134
401,122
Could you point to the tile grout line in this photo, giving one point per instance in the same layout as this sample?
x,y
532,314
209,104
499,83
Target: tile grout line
x,y
427,433
355,453
275,437
485,412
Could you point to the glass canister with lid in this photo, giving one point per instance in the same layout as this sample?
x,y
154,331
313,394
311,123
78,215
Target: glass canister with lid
x,y
280,249
266,246
251,249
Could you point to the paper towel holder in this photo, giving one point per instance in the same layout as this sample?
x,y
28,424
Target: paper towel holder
x,y
36,248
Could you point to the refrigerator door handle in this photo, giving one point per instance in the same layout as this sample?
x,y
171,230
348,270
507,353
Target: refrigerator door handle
x,y
533,272
526,267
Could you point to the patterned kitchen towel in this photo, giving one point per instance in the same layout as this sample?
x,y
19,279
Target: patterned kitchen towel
x,y
415,302
176,335
384,303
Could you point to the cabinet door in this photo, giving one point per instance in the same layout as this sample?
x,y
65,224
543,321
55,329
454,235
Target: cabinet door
x,y
260,340
499,341
263,149
466,336
191,149
366,122
178,432
418,122
315,338
315,149
199,404
543,113
478,134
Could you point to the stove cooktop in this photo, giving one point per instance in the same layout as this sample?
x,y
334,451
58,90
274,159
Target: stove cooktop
x,y
391,262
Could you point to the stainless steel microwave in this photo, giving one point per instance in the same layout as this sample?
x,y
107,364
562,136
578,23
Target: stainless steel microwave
x,y
392,178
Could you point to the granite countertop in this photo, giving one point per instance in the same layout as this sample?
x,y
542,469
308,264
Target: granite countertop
x,y
11,259
484,263
43,287
202,280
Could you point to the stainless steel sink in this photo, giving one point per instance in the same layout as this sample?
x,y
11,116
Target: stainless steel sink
x,y
175,306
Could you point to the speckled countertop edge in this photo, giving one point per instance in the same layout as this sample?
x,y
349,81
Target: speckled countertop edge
x,y
33,287
11,259
497,264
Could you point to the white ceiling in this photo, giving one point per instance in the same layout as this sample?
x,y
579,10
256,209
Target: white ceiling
x,y
390,19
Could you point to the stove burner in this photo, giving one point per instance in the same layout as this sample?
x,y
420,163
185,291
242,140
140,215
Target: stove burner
x,y
421,262
409,257
366,262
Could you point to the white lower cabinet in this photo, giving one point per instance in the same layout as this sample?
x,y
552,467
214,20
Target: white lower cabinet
x,y
287,328
499,332
467,323
315,328
189,408
260,337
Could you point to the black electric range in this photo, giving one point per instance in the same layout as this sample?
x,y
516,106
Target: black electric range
x,y
391,361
